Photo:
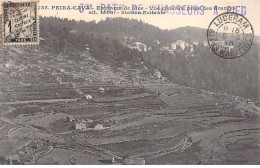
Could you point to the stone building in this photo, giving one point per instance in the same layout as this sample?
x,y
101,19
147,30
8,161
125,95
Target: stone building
x,y
80,125
133,161
13,159
139,46
96,125
74,32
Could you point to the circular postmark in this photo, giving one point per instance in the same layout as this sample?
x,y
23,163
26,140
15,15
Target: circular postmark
x,y
230,35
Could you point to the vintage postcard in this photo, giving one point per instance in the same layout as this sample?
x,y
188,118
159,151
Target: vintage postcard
x,y
140,82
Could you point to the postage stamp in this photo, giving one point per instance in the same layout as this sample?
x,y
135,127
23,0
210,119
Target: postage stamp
x,y
230,35
20,23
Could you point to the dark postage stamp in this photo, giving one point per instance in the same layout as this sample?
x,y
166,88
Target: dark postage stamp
x,y
20,24
230,35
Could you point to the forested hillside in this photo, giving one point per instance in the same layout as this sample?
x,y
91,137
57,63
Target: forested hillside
x,y
201,69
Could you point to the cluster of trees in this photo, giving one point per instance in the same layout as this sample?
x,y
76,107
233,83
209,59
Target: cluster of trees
x,y
203,70
105,46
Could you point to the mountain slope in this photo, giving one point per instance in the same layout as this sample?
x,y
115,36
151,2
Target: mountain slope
x,y
127,108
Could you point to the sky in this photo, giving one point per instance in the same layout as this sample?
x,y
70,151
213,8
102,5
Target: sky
x,y
170,21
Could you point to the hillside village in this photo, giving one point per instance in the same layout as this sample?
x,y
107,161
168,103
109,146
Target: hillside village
x,y
179,45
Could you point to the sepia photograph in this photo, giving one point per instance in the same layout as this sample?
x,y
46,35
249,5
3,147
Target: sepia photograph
x,y
139,82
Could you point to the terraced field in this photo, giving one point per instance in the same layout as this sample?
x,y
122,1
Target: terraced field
x,y
162,123
148,118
